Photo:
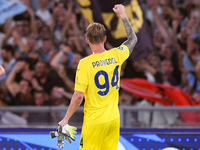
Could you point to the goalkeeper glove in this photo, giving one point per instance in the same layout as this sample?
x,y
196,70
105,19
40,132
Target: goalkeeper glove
x,y
68,131
59,135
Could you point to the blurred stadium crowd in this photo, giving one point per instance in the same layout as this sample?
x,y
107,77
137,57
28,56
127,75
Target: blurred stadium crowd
x,y
41,48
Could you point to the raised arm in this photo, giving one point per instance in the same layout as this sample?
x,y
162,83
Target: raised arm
x,y
132,38
12,86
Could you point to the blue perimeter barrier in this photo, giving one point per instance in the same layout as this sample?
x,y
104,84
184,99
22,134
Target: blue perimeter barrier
x,y
130,139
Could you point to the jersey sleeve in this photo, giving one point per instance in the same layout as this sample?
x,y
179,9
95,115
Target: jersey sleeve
x,y
122,53
81,80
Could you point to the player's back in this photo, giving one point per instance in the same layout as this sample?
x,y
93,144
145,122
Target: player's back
x,y
101,73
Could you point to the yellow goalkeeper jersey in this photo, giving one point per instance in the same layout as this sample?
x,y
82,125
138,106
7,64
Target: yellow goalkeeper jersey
x,y
98,77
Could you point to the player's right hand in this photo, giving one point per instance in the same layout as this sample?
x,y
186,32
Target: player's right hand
x,y
67,130
59,135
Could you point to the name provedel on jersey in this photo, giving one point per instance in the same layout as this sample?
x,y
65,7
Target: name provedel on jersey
x,y
104,62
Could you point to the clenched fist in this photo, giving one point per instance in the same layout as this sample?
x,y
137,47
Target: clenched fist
x,y
119,9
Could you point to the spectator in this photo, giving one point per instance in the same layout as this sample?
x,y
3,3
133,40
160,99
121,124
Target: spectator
x,y
128,99
47,46
66,72
165,51
193,79
70,73
40,99
43,79
44,34
2,35
61,23
35,55
39,24
24,27
59,97
61,63
27,71
148,72
182,38
154,74
8,56
2,99
20,92
32,44
165,118
192,57
168,69
43,12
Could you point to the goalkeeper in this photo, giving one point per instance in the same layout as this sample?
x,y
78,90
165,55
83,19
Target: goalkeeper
x,y
97,78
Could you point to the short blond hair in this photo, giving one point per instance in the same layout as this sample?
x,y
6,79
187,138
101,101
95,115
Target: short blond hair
x,y
95,32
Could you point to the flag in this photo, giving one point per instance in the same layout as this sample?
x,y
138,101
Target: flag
x,y
101,11
166,95
9,8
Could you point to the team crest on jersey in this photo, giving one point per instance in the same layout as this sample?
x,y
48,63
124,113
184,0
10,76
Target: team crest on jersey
x,y
121,48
